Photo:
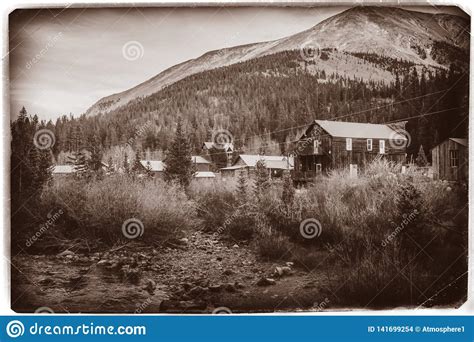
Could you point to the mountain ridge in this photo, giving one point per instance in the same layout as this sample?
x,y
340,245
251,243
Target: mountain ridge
x,y
366,29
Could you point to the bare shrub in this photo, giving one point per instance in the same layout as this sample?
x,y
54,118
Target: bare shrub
x,y
97,210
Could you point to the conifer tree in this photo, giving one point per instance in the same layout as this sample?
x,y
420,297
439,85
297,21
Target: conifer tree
x,y
288,194
242,187
421,159
148,170
261,180
137,166
179,166
126,165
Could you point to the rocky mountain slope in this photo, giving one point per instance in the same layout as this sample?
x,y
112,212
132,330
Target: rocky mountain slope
x,y
421,38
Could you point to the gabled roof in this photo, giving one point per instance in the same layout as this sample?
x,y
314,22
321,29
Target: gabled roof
x,y
156,165
228,147
199,160
204,174
235,167
271,162
460,141
57,169
359,130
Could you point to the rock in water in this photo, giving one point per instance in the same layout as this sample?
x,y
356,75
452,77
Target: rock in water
x,y
215,288
266,281
197,291
282,271
66,253
150,286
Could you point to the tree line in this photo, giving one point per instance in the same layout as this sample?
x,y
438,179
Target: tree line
x,y
266,101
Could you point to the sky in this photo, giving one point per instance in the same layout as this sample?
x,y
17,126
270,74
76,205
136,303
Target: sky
x,y
62,61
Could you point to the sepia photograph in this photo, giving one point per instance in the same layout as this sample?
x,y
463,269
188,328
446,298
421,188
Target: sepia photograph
x,y
237,159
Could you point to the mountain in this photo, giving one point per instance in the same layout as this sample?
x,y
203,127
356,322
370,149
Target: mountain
x,y
431,40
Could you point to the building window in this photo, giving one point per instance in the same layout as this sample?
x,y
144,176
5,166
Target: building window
x,y
316,144
382,146
318,168
349,144
454,158
369,144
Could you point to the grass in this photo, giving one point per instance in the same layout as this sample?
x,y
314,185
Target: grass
x,y
373,227
98,209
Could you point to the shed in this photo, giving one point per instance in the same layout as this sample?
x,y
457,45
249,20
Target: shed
x,y
451,160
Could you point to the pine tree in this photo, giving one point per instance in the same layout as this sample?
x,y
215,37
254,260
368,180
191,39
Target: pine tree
x,y
149,172
261,180
30,172
137,166
79,162
288,194
111,167
126,165
95,160
179,166
242,187
421,159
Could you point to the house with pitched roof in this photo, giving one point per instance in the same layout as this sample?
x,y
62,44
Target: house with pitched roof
x,y
201,164
247,163
450,160
219,155
328,145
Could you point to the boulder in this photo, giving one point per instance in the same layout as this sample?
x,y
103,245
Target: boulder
x,y
215,288
150,286
66,253
266,281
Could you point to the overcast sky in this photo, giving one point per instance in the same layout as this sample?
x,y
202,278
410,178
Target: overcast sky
x,y
63,61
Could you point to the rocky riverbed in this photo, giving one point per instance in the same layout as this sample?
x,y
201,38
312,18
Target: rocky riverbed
x,y
200,274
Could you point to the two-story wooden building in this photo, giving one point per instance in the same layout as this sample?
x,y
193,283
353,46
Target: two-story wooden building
x,y
328,145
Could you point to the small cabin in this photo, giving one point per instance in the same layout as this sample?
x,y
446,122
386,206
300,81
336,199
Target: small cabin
x,y
60,171
328,145
155,167
276,165
201,164
450,160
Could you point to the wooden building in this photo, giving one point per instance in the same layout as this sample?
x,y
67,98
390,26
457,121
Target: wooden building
x,y
155,167
450,160
60,171
247,163
328,145
201,164
220,156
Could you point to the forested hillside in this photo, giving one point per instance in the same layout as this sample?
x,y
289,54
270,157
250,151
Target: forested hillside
x,y
267,101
